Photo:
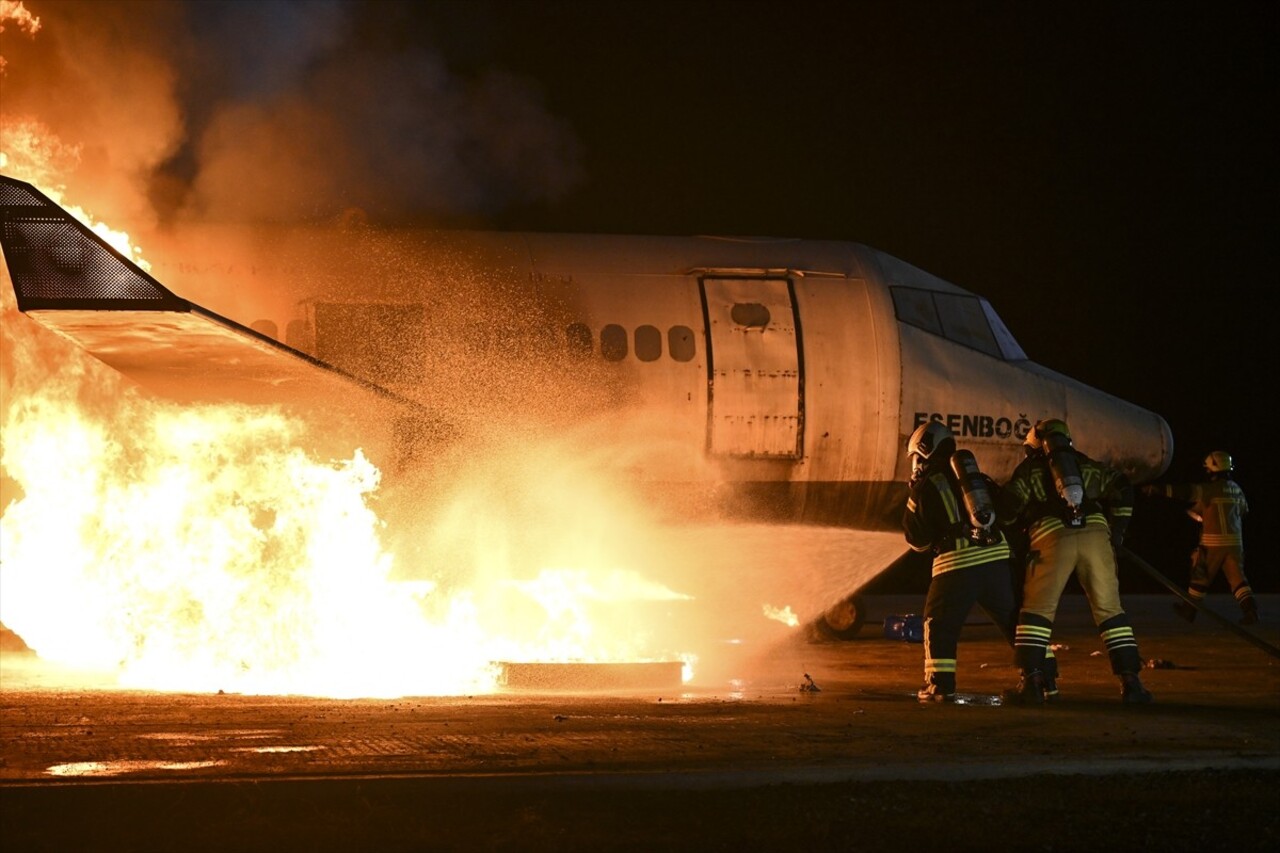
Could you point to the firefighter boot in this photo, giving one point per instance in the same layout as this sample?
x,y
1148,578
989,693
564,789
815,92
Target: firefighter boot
x,y
1050,675
1132,692
1030,690
1186,610
931,693
1249,611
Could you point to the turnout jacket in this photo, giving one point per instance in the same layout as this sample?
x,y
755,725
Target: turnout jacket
x,y
1221,507
936,520
1030,500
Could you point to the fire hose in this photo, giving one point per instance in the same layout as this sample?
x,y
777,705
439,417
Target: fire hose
x,y
1124,552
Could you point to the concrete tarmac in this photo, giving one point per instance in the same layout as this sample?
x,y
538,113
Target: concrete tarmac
x,y
761,761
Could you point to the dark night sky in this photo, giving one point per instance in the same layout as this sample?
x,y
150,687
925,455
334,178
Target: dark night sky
x,y
1103,172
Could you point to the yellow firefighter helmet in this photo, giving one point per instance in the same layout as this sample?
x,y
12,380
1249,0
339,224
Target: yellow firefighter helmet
x,y
1218,461
1045,428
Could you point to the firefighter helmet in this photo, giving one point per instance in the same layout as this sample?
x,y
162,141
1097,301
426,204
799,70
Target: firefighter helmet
x,y
928,438
1218,461
1043,430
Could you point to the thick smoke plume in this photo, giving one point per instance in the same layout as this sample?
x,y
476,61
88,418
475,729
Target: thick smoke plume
x,y
274,111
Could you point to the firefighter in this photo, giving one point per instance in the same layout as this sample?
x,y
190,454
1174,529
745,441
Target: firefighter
x,y
1075,511
1220,507
950,512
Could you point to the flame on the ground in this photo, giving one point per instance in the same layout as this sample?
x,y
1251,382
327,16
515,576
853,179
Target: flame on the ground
x,y
200,549
781,614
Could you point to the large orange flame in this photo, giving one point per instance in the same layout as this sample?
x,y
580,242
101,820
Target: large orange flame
x,y
199,548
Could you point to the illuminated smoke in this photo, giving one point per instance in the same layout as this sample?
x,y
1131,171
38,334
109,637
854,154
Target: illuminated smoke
x,y
273,111
101,99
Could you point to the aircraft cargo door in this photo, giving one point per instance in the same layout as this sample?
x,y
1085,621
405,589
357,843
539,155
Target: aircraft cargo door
x,y
756,400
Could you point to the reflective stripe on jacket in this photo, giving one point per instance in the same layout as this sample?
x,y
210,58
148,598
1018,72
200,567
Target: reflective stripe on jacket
x,y
936,520
1221,506
1031,501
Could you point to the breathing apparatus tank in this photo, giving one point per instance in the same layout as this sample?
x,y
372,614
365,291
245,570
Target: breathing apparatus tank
x,y
977,497
1055,442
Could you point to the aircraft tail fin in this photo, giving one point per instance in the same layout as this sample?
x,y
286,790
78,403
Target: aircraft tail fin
x,y
57,262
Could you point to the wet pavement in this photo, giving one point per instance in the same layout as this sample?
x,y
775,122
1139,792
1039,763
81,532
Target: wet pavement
x,y
776,755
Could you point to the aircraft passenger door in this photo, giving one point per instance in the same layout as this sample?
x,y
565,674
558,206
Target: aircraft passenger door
x,y
756,394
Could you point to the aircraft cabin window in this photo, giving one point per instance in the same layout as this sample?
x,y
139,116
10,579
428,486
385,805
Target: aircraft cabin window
x,y
579,336
955,316
916,308
964,322
753,315
648,343
298,335
680,343
613,342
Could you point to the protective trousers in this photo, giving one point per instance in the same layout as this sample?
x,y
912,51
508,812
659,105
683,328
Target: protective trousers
x,y
1088,554
951,597
1227,559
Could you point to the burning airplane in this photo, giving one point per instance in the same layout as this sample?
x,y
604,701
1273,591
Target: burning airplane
x,y
400,385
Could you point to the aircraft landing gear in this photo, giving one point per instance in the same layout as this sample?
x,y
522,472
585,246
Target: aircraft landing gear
x,y
841,621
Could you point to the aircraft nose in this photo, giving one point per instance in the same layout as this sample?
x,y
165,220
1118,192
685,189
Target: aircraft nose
x,y
1137,441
